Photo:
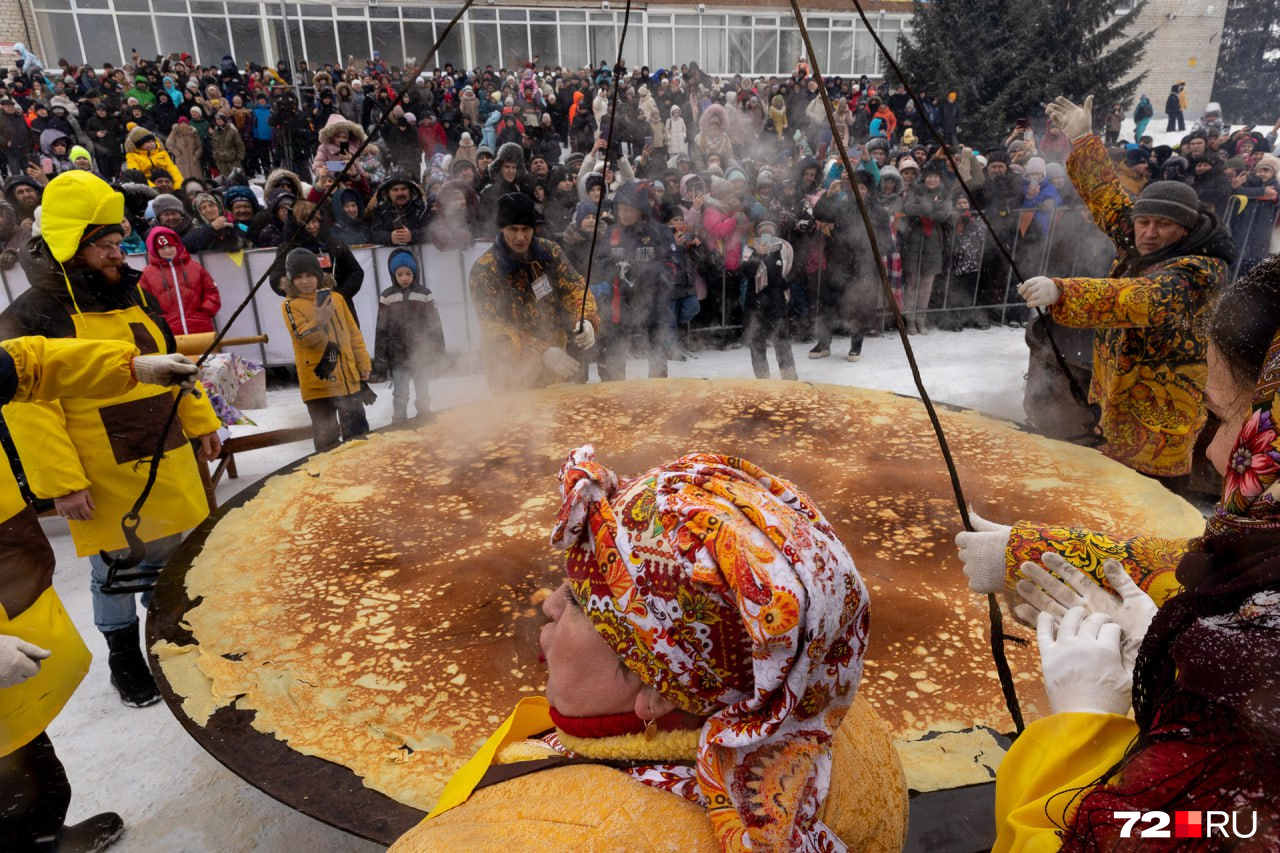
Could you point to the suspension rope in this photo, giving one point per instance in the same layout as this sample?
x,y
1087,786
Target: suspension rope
x,y
608,146
131,520
1077,393
998,635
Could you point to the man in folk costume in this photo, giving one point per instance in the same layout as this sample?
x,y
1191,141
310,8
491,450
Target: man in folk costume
x,y
1149,354
86,454
528,299
42,657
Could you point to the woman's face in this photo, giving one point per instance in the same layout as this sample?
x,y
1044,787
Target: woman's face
x,y
584,676
1230,402
209,211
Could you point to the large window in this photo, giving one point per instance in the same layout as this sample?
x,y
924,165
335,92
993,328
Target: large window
x,y
508,36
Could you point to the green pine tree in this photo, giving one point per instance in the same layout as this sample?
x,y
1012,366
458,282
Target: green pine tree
x,y
1007,57
1248,77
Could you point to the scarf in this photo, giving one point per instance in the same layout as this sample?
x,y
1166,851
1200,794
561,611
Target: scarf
x,y
725,589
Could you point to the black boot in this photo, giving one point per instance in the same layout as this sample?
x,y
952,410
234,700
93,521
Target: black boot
x,y
89,836
129,673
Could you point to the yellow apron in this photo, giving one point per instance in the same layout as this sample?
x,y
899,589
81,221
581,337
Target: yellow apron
x,y
112,436
26,709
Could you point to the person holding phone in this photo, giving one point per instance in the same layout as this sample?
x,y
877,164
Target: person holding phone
x,y
328,349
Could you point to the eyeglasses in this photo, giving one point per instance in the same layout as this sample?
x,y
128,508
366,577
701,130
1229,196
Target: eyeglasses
x,y
108,247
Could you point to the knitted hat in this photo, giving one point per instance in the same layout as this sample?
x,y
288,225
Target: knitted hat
x,y
517,209
1055,170
1134,156
1035,166
74,202
907,163
302,261
402,258
725,589
164,237
1172,200
582,211
166,202
1269,160
721,189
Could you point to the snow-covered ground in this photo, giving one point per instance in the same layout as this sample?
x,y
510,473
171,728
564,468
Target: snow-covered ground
x,y
174,797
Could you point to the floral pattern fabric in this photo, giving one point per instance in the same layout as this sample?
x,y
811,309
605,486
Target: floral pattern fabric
x,y
1149,560
725,588
1148,353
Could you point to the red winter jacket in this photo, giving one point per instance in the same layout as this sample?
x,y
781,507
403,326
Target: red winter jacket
x,y
185,290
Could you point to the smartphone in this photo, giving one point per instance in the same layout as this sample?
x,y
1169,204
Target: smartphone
x,y
648,140
335,166
322,296
696,188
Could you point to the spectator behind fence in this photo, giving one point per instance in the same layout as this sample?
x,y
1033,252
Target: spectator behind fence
x,y
410,337
184,290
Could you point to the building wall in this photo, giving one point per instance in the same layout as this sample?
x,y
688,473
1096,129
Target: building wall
x,y
1188,34
14,29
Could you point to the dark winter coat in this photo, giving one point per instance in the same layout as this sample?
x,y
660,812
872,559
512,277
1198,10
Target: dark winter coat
x,y
386,217
410,333
923,234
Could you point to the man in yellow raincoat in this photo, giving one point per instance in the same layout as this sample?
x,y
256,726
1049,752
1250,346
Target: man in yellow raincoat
x,y
42,658
85,454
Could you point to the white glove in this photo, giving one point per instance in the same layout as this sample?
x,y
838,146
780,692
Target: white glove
x,y
172,369
19,660
560,362
1075,121
585,335
1132,609
1082,667
1040,291
982,553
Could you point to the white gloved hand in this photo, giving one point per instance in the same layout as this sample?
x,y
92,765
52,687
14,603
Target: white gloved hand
x,y
1040,291
1076,121
1131,609
171,369
1083,669
982,553
560,362
19,660
585,335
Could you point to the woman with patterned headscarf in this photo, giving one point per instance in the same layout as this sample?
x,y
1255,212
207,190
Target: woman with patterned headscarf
x,y
1202,671
703,659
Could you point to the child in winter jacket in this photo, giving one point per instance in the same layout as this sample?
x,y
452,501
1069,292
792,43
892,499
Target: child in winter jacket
x,y
142,151
410,337
328,350
184,289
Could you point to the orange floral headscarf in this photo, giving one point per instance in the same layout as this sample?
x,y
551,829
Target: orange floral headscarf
x,y
724,588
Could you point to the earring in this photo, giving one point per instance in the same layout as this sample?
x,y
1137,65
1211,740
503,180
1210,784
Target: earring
x,y
649,728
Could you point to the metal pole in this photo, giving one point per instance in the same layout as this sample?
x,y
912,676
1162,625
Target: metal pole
x,y
288,49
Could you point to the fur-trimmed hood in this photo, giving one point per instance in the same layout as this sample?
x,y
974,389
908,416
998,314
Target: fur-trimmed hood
x,y
279,176
335,125
511,152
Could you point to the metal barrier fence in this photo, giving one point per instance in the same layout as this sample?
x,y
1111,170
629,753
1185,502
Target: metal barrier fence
x,y
1070,246
445,273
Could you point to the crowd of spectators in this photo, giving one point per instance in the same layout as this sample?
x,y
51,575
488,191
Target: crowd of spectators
x,y
223,155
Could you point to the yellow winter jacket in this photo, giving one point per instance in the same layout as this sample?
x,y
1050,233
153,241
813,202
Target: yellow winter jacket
x,y
145,161
310,340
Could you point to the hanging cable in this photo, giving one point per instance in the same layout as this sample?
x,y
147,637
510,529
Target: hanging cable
x,y
131,520
618,69
1077,393
998,635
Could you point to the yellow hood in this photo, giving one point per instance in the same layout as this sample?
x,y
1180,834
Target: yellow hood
x,y
72,202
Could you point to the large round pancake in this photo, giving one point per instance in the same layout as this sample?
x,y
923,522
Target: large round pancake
x,y
377,606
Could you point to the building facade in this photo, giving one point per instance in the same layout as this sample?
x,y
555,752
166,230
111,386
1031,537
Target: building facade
x,y
723,37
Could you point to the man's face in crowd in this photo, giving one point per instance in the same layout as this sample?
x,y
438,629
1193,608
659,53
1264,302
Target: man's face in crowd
x,y
1195,147
809,176
242,210
483,161
163,183
509,171
26,196
351,208
1203,167
171,218
1153,233
539,167
518,238
997,169
399,195
627,215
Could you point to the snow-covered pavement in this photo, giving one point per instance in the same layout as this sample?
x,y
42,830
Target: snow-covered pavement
x,y
174,797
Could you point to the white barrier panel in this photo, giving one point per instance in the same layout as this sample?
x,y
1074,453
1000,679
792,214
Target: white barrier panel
x,y
446,273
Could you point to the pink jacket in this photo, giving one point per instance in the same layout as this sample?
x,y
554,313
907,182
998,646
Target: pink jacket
x,y
726,236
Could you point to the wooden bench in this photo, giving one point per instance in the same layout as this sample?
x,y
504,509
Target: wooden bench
x,y
226,461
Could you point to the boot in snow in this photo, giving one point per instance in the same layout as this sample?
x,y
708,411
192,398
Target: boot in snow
x,y
129,673
89,836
